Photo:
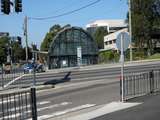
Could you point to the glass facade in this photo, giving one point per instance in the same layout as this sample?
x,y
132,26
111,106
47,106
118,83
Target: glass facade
x,y
63,49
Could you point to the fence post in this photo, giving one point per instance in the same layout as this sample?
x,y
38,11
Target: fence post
x,y
2,77
33,104
151,78
120,88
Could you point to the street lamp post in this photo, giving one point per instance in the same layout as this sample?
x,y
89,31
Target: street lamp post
x,y
130,30
26,36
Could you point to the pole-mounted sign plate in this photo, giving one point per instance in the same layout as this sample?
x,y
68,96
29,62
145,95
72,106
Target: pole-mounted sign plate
x,y
126,40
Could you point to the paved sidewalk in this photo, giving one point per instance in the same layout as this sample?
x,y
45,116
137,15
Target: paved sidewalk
x,y
149,110
141,108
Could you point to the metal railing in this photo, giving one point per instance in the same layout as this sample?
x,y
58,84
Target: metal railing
x,y
18,105
139,84
15,78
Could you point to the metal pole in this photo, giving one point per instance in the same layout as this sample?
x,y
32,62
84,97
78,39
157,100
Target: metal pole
x,y
2,77
34,70
26,36
130,31
33,104
11,50
122,66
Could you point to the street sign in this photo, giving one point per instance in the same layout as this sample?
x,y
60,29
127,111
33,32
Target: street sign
x,y
126,40
79,52
122,43
79,55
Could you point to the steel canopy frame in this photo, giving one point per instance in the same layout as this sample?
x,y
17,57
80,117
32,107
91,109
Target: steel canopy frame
x,y
64,48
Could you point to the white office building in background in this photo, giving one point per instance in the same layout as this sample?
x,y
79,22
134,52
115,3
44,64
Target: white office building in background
x,y
110,25
110,39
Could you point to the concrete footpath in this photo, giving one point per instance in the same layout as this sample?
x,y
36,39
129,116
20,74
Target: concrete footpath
x,y
141,108
148,110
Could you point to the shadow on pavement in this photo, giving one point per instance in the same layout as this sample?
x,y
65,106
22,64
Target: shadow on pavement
x,y
56,81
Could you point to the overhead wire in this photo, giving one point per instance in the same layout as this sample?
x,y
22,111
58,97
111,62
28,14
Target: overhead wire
x,y
66,13
71,2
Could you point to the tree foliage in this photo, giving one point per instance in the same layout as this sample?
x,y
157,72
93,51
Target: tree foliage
x,y
108,56
145,20
4,41
17,52
50,35
99,36
12,48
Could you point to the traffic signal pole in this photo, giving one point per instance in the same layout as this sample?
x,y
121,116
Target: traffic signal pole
x,y
26,36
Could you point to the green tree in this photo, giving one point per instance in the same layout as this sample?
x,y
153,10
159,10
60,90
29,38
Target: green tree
x,y
12,48
17,52
4,42
46,42
108,56
99,36
145,20
50,35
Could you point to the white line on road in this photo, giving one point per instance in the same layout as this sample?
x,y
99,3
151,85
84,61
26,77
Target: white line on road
x,y
38,110
44,117
25,112
5,101
16,116
109,108
44,102
28,106
53,106
13,98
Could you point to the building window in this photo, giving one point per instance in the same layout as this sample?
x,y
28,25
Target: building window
x,y
106,43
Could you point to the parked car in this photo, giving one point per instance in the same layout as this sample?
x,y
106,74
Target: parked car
x,y
40,68
28,68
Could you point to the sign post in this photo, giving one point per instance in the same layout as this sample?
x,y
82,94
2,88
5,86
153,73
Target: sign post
x,y
122,65
122,44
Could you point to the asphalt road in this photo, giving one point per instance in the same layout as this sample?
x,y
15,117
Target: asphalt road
x,y
71,97
103,88
66,99
88,73
89,87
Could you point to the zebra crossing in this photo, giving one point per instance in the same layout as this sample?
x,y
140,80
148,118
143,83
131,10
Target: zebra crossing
x,y
45,110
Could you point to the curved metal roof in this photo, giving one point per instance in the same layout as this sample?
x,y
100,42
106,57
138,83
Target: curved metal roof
x,y
91,49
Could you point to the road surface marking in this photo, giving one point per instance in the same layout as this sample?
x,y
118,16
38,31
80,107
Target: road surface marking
x,y
44,102
44,117
16,115
53,106
109,108
5,101
25,112
13,98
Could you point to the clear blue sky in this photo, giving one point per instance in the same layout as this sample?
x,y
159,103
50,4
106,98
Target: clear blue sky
x,y
105,9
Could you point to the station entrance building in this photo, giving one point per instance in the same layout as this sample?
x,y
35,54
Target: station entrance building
x,y
63,49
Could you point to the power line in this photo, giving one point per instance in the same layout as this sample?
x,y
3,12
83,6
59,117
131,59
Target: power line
x,y
66,13
66,6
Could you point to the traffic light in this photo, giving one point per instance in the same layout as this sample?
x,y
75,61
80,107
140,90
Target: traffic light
x,y
18,5
5,6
